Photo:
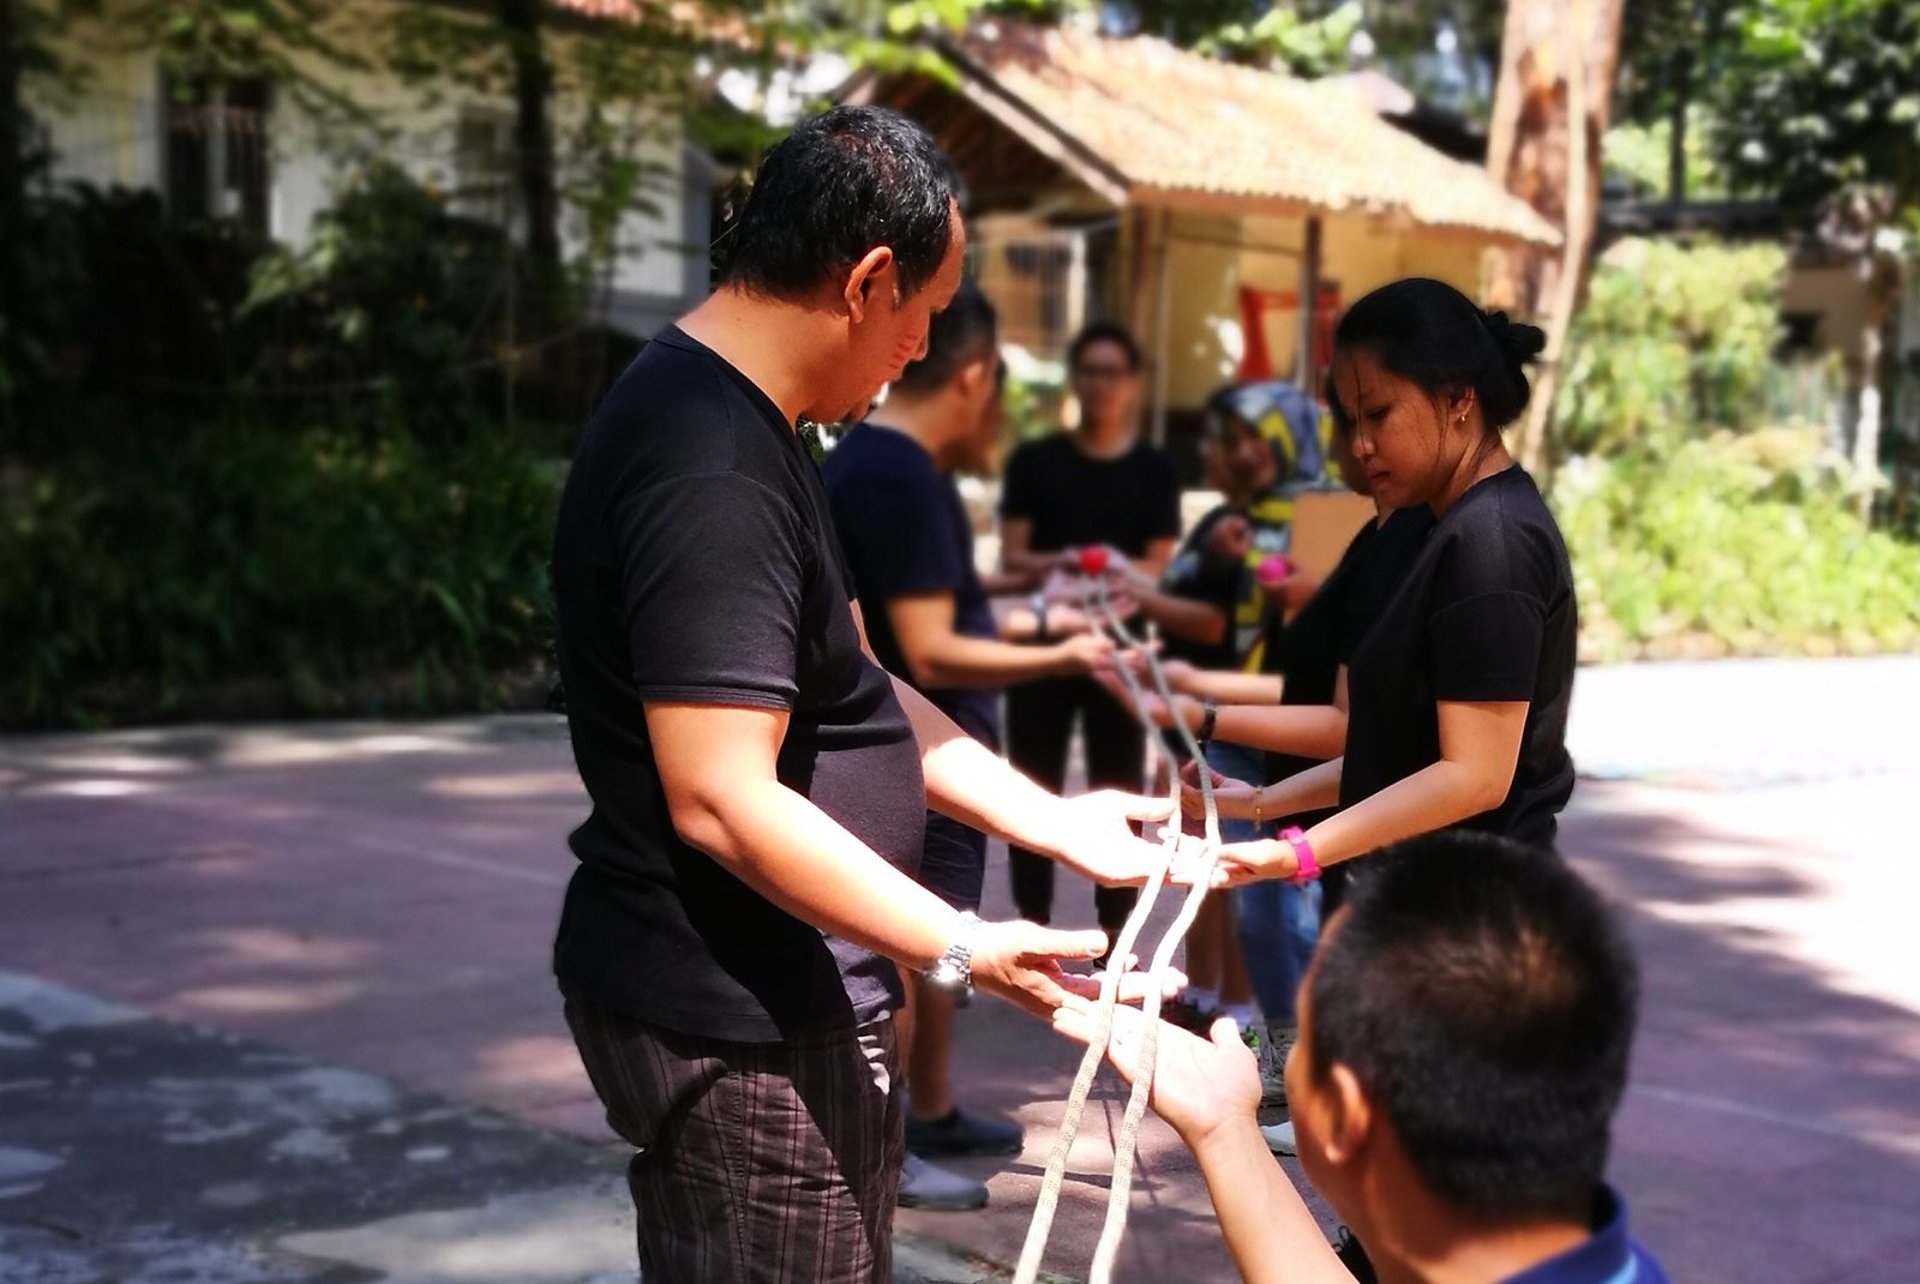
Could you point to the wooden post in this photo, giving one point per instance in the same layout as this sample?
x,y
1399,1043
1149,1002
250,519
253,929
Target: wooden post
x,y
1076,281
1309,302
1162,291
1140,281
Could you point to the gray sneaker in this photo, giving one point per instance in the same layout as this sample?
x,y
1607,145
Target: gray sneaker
x,y
1273,1063
924,1185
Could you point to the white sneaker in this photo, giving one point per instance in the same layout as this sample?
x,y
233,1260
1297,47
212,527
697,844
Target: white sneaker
x,y
1279,1138
928,1186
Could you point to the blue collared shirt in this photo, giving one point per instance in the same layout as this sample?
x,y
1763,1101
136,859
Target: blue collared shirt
x,y
1609,1256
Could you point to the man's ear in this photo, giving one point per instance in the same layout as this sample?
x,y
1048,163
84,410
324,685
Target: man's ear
x,y
869,279
977,376
1350,1116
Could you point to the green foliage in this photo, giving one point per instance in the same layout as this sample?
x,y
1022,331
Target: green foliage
x,y
1637,156
1826,96
1741,544
321,566
122,313
1669,50
1698,524
1032,408
1675,341
284,41
395,303
1304,46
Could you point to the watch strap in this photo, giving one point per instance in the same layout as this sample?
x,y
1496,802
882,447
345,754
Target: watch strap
x,y
1209,714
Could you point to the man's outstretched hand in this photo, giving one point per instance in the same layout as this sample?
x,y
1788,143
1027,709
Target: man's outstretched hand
x,y
1021,963
1200,1086
1092,836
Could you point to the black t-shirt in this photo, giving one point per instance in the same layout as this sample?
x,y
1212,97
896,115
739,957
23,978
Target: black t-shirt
x,y
1073,499
1201,575
694,561
1486,612
906,532
1310,649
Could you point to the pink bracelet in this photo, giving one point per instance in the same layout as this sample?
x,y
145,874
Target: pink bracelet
x,y
1307,865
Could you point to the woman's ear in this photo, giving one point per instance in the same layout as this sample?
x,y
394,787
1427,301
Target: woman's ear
x,y
1460,405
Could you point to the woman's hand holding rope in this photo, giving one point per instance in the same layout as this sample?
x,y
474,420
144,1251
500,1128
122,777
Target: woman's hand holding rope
x,y
1239,863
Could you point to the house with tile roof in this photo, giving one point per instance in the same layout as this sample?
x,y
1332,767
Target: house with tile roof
x,y
1197,201
246,150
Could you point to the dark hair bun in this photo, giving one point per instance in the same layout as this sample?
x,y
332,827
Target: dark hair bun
x,y
1520,342
1427,331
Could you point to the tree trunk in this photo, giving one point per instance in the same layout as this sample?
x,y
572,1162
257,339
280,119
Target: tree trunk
x,y
13,123
533,143
1677,125
1886,280
1529,144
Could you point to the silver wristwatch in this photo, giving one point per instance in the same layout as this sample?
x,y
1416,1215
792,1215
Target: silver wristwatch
x,y
952,972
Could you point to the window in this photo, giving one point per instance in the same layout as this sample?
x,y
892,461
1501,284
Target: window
x,y
483,165
217,162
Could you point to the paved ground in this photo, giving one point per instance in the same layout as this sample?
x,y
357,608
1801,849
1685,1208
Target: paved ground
x,y
274,1006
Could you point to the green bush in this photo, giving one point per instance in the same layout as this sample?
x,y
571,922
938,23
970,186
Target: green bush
x,y
326,571
1674,341
1699,523
1743,544
395,300
125,319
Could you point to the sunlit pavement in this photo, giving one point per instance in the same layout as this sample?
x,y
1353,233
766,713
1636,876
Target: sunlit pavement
x,y
274,1002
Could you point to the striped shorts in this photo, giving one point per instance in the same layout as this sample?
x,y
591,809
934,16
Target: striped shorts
x,y
754,1163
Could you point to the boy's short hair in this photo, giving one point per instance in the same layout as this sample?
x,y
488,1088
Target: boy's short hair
x,y
1485,998
1105,332
965,331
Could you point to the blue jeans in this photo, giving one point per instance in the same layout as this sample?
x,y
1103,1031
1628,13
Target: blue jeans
x,y
1278,924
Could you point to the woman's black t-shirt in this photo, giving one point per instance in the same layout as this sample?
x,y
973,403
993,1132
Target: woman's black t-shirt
x,y
1485,613
1310,649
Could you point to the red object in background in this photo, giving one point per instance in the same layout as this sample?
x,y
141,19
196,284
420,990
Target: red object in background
x,y
1093,560
1274,569
1256,362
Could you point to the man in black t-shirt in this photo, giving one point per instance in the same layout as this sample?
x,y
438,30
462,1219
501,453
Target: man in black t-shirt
x,y
731,940
1099,484
909,542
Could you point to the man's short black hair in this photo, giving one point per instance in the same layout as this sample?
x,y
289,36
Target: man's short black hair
x,y
1485,998
965,331
1104,332
841,183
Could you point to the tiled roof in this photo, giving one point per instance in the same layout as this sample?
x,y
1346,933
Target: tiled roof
x,y
597,8
1172,127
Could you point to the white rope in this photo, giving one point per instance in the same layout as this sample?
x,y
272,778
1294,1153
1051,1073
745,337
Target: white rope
x,y
1100,611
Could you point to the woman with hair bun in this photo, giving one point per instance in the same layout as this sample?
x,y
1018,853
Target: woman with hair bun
x,y
1457,696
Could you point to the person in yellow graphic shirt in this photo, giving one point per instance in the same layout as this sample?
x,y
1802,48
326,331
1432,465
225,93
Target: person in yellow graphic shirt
x,y
1215,609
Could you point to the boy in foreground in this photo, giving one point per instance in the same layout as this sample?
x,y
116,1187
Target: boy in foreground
x,y
1464,1034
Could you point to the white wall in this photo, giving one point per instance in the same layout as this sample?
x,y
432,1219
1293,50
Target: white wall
x,y
109,131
